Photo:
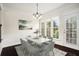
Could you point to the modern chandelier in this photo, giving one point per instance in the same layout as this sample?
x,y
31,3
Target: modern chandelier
x,y
37,15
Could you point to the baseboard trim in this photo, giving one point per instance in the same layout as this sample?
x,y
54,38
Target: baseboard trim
x,y
12,46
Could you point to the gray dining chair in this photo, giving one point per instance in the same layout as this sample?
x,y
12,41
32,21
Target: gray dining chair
x,y
47,47
29,49
32,49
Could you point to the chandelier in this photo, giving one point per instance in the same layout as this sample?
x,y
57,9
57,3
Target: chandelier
x,y
37,15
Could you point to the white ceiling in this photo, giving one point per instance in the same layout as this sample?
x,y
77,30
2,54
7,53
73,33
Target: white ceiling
x,y
31,7
26,10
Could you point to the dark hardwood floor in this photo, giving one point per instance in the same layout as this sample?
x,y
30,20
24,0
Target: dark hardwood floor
x,y
70,51
9,51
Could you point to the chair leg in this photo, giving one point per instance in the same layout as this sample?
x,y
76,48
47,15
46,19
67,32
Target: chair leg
x,y
53,53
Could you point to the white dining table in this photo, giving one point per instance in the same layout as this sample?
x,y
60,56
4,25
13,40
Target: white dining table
x,y
39,40
37,47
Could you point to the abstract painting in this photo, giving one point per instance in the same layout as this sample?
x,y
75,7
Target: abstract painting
x,y
23,25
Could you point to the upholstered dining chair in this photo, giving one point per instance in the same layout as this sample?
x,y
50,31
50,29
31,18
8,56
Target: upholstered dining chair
x,y
47,47
31,49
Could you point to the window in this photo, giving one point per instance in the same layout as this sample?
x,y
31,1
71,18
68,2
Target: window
x,y
49,29
43,29
55,28
71,30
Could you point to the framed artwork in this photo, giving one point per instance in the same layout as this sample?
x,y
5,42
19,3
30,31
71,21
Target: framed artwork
x,y
23,25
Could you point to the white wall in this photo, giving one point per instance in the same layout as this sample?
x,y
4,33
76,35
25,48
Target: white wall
x,y
11,34
0,17
61,12
0,23
0,13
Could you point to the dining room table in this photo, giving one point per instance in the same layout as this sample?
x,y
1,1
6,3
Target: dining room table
x,y
38,46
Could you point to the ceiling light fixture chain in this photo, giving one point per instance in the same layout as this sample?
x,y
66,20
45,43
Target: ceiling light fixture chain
x,y
37,7
37,15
